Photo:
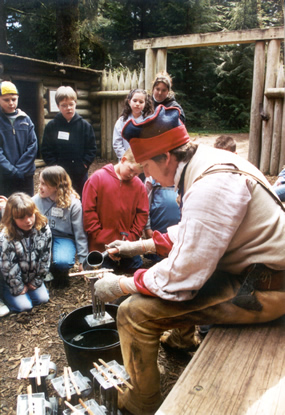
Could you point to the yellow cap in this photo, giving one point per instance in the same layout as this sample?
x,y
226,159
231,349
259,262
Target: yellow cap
x,y
7,87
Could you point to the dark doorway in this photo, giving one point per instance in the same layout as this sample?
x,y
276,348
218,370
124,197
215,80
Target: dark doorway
x,y
29,101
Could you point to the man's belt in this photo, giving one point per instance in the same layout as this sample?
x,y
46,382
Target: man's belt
x,y
271,280
258,277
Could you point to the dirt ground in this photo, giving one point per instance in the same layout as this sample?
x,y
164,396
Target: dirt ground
x,y
21,333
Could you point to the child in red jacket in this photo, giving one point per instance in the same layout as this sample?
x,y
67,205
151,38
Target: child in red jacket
x,y
115,205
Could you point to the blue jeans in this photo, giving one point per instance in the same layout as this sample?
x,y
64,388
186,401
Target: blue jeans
x,y
63,253
25,302
280,191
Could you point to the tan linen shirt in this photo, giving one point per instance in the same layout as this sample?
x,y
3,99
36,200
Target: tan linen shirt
x,y
228,222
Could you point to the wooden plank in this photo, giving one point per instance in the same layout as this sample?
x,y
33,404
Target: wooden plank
x,y
104,118
210,39
236,371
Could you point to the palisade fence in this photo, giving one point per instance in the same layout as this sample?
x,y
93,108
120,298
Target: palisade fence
x,y
115,87
267,127
267,118
273,131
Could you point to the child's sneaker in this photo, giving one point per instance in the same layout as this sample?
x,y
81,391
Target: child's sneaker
x,y
48,277
4,310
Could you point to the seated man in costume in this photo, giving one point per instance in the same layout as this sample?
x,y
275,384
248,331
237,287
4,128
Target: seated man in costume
x,y
224,262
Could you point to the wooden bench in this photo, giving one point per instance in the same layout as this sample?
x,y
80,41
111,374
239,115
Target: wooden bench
x,y
237,370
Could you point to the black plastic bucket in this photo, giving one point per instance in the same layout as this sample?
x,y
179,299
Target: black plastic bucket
x,y
84,345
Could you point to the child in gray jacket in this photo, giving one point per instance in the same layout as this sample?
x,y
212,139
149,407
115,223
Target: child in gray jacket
x,y
58,201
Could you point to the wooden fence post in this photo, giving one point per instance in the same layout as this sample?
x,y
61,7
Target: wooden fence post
x,y
103,116
150,67
161,60
128,81
108,127
134,84
121,85
273,56
256,102
282,145
141,80
277,127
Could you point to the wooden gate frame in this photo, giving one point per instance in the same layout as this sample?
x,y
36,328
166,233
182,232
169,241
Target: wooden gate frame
x,y
260,139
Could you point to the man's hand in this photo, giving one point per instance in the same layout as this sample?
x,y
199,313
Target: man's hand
x,y
108,288
127,249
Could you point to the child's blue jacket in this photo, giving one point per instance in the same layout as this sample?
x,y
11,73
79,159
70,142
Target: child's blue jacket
x,y
18,146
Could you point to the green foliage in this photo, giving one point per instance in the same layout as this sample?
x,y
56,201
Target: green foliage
x,y
212,84
244,15
31,28
233,91
272,13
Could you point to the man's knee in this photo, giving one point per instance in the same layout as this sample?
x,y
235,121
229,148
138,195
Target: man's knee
x,y
123,312
130,311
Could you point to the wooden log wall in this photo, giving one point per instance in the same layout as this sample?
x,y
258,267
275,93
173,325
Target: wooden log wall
x,y
114,90
267,126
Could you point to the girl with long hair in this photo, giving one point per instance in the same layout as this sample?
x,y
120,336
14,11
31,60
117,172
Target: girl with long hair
x,y
60,203
25,252
137,105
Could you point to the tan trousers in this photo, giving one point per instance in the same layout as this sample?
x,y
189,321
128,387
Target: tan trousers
x,y
141,321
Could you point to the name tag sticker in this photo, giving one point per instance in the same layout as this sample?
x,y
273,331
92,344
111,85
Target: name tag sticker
x,y
57,212
63,135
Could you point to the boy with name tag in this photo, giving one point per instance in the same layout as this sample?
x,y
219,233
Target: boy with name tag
x,y
69,140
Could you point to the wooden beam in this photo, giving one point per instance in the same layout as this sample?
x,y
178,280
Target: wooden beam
x,y
275,92
210,39
108,94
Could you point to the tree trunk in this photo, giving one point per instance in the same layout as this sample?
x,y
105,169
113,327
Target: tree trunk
x,y
68,39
